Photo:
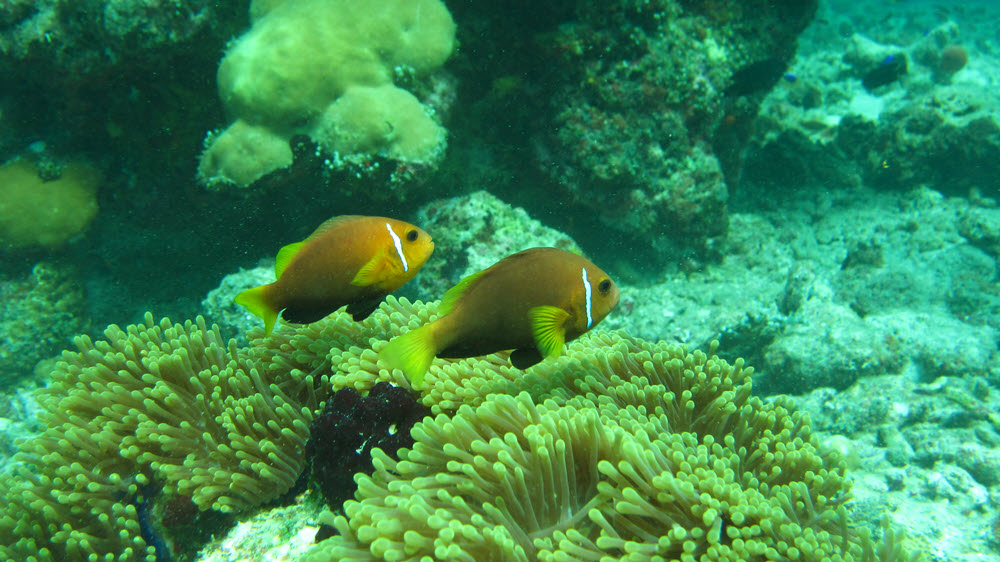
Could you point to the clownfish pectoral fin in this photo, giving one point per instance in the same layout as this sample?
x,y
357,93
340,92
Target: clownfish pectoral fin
x,y
285,256
377,270
455,293
255,301
524,358
411,353
548,327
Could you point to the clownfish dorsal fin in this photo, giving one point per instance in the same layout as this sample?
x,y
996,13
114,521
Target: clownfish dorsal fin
x,y
285,257
455,293
548,327
332,222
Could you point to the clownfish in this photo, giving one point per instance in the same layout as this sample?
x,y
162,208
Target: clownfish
x,y
349,260
532,302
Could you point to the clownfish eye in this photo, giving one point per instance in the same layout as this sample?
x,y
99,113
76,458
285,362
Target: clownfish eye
x,y
604,286
412,235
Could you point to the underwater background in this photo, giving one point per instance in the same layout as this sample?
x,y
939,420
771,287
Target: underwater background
x,y
812,185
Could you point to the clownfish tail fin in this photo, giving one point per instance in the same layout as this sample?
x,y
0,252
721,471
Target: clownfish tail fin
x,y
255,300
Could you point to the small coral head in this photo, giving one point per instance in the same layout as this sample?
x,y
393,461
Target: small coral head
x,y
953,59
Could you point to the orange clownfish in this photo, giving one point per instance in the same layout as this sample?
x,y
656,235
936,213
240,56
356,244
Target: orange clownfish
x,y
349,260
532,302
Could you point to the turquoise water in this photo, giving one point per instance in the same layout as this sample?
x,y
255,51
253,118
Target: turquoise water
x,y
812,185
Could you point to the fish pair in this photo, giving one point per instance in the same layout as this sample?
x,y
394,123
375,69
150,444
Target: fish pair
x,y
532,302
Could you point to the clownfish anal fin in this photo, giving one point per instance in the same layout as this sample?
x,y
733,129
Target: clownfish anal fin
x,y
524,358
363,309
548,327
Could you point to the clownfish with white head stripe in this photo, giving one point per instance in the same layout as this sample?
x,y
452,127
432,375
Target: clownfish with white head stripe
x,y
532,302
349,260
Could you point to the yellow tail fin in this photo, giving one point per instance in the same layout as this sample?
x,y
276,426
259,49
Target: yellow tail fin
x,y
411,353
255,301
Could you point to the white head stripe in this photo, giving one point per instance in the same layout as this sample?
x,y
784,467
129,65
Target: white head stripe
x,y
399,246
587,291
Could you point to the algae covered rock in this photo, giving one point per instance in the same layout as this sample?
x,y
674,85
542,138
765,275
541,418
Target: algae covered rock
x,y
41,312
656,110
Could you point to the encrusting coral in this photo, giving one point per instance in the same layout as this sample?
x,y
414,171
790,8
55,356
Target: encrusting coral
x,y
620,450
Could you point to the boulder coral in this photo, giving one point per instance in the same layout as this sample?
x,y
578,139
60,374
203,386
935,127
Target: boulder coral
x,y
38,212
326,69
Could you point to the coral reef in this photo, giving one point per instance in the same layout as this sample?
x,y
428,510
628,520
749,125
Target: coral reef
x,y
928,454
328,69
128,29
864,287
472,232
41,312
89,78
926,129
981,227
956,155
